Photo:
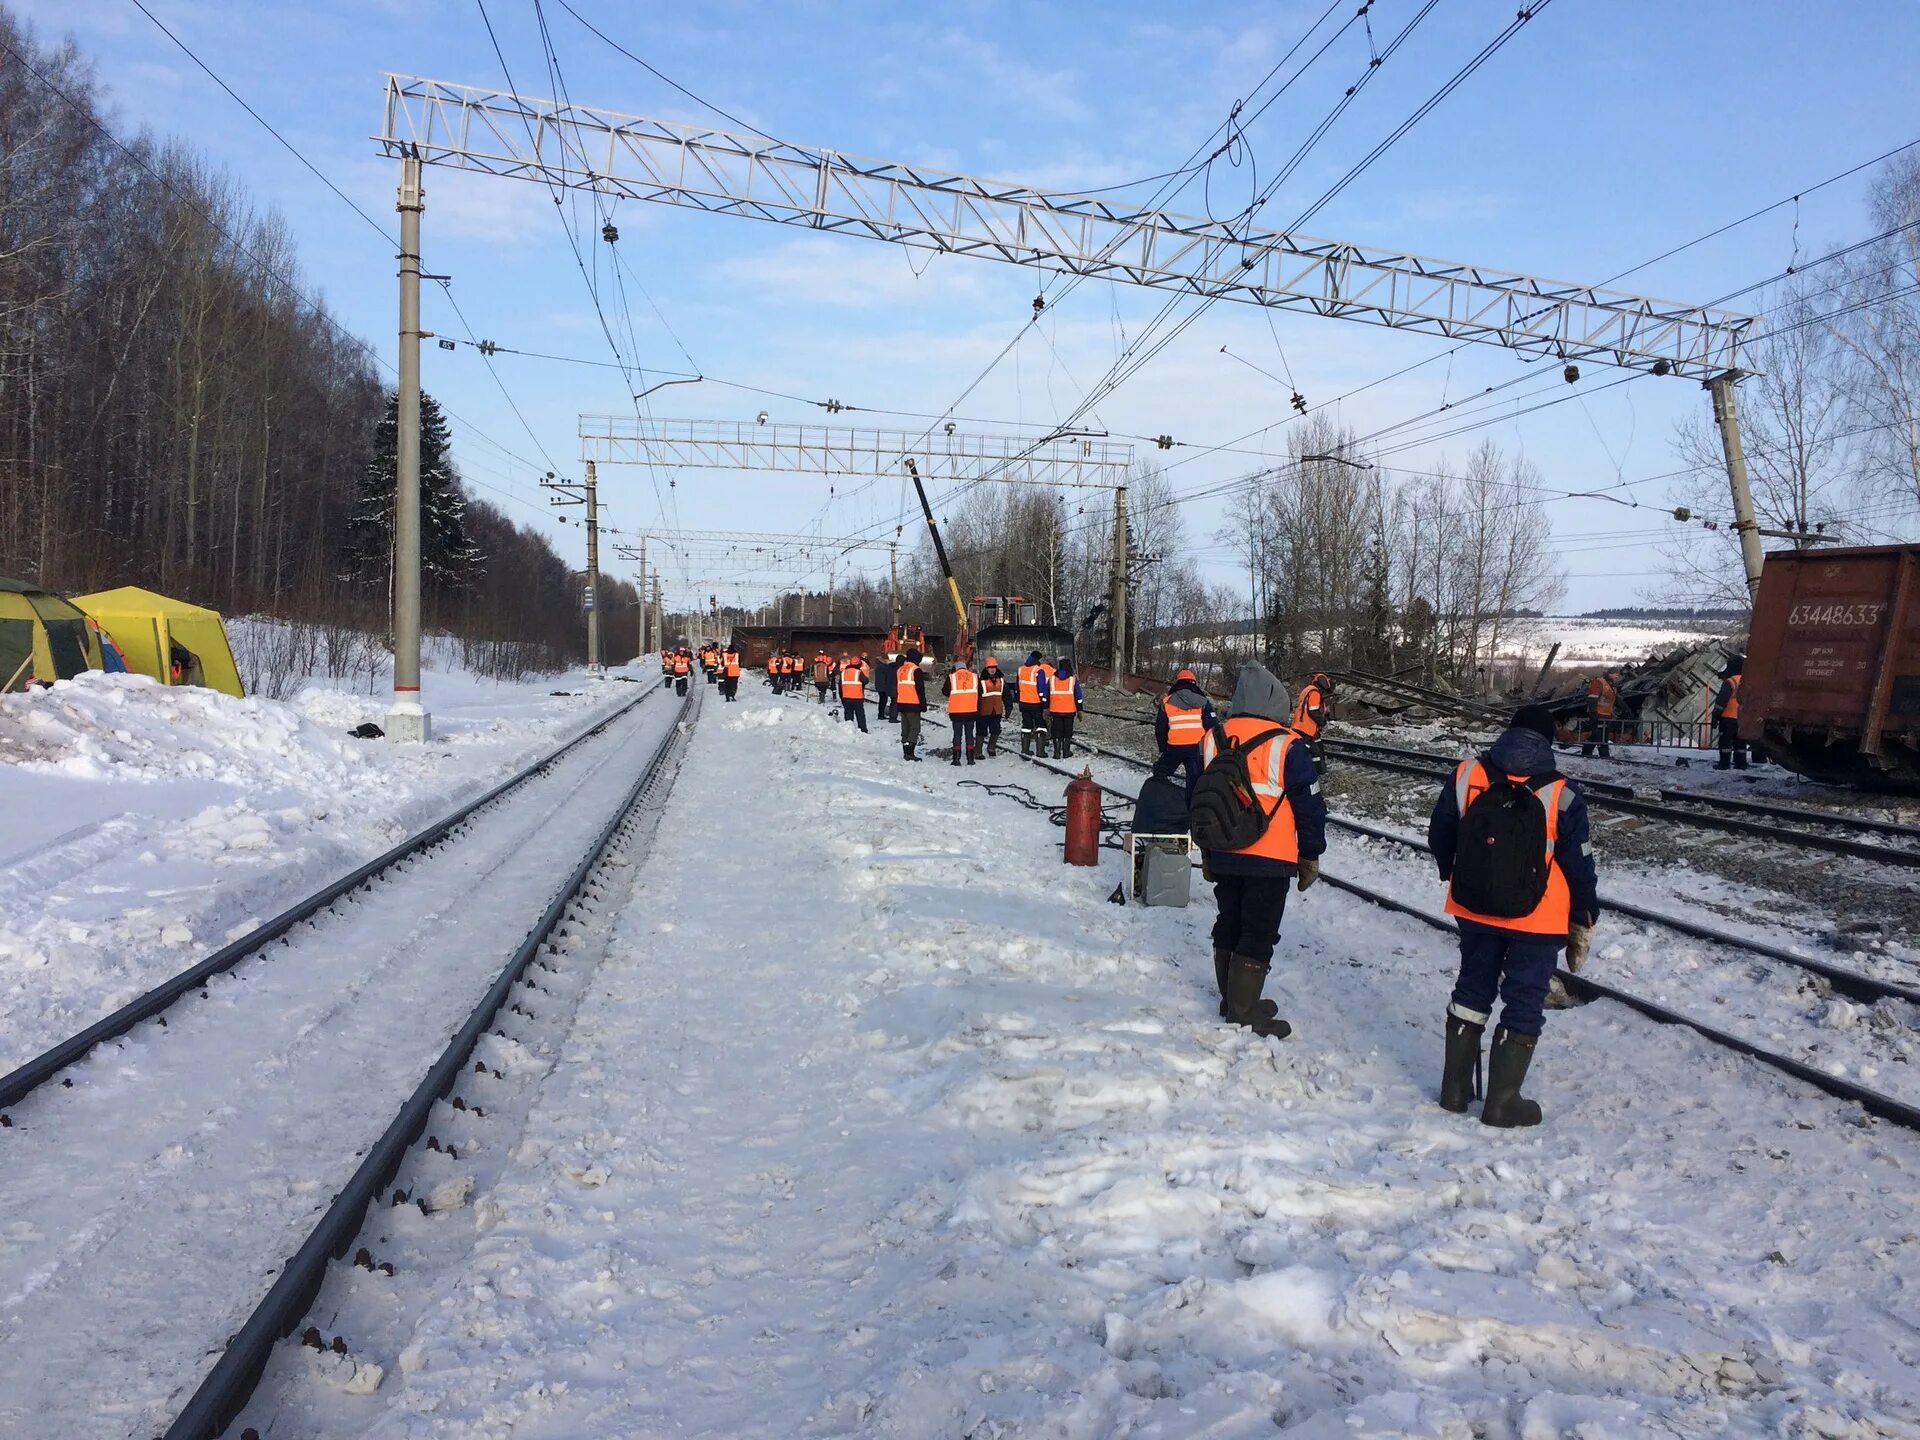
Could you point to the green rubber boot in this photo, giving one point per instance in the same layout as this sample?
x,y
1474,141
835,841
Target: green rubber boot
x,y
1507,1066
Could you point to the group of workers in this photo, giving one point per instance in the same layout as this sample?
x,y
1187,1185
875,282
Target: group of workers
x,y
1508,833
719,663
976,700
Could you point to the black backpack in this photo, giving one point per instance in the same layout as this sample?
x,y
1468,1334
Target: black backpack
x,y
1500,862
1227,813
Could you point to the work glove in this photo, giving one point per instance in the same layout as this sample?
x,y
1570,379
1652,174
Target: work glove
x,y
1579,942
1309,872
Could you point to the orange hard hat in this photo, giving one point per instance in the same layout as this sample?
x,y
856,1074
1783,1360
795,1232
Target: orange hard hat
x,y
1186,675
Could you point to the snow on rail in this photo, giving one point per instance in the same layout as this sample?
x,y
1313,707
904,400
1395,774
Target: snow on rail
x,y
877,1118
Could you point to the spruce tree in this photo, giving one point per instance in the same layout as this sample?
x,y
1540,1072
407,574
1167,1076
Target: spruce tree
x,y
449,560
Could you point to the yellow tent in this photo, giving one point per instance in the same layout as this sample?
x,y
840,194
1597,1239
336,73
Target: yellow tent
x,y
42,637
147,627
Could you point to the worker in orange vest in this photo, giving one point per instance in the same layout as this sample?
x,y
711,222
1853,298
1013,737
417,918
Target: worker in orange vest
x,y
993,705
962,689
1726,716
1185,716
682,667
1311,713
1033,704
1510,836
853,692
822,674
909,699
1250,883
666,669
729,674
1061,690
1602,694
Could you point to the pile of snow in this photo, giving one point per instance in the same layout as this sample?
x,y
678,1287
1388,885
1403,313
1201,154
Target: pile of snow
x,y
148,824
1590,642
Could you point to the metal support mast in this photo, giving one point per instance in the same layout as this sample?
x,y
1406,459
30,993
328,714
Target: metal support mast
x,y
1726,416
407,719
1117,583
568,492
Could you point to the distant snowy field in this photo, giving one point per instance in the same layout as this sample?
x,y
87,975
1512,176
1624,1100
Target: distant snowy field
x,y
1599,642
147,825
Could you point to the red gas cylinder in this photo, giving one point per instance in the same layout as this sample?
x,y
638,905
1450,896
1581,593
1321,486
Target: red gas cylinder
x,y
1083,820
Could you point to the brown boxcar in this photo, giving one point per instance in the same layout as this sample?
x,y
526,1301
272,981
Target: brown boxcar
x,y
756,642
1831,686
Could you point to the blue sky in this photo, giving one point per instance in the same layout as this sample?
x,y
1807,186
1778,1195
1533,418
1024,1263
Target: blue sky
x,y
1607,132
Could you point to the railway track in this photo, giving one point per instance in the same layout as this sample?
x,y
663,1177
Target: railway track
x,y
146,1196
1883,842
21,1082
1863,988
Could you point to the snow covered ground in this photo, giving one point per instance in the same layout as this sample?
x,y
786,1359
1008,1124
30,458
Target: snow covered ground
x,y
141,1208
1586,642
875,1119
146,825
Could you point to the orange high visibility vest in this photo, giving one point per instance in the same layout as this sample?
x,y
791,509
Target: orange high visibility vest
x,y
1732,712
1184,726
681,665
1029,678
993,684
733,664
822,669
1601,694
1555,909
853,685
1267,766
1061,701
1303,719
906,684
965,698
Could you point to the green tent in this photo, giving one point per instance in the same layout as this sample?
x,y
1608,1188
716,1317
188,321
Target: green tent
x,y
42,637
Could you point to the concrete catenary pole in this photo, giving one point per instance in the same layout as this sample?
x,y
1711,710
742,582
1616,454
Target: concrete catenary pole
x,y
1117,585
1727,416
659,614
893,581
594,667
408,719
640,593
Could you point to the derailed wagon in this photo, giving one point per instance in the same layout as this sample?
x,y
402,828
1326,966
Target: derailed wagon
x,y
1832,681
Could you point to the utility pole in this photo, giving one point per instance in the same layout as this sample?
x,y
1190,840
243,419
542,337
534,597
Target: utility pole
x,y
830,568
594,667
659,614
893,580
1727,417
1117,584
642,593
407,719
569,492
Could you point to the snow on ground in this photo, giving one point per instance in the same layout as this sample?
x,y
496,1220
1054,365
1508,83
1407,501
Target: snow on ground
x,y
1586,641
146,825
878,1120
144,1210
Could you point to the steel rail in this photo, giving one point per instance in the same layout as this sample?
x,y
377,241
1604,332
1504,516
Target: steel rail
x,y
1872,1101
231,1383
1852,983
20,1083
1800,814
1607,795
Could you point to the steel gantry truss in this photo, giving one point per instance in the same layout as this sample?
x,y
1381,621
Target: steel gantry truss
x,y
1062,461
496,132
782,552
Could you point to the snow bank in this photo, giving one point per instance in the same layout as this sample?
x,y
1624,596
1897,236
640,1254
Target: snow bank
x,y
147,824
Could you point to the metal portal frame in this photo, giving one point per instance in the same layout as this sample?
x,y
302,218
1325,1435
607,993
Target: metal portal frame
x,y
496,132
1065,461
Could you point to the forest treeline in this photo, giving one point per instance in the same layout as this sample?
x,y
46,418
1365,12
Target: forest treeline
x,y
176,413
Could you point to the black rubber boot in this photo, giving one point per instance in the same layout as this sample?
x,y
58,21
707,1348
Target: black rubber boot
x,y
1507,1066
956,756
1026,742
1739,761
907,750
1725,761
1586,752
1245,980
1460,1085
1222,961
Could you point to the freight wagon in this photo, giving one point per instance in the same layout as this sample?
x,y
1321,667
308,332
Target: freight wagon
x,y
1832,681
756,642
